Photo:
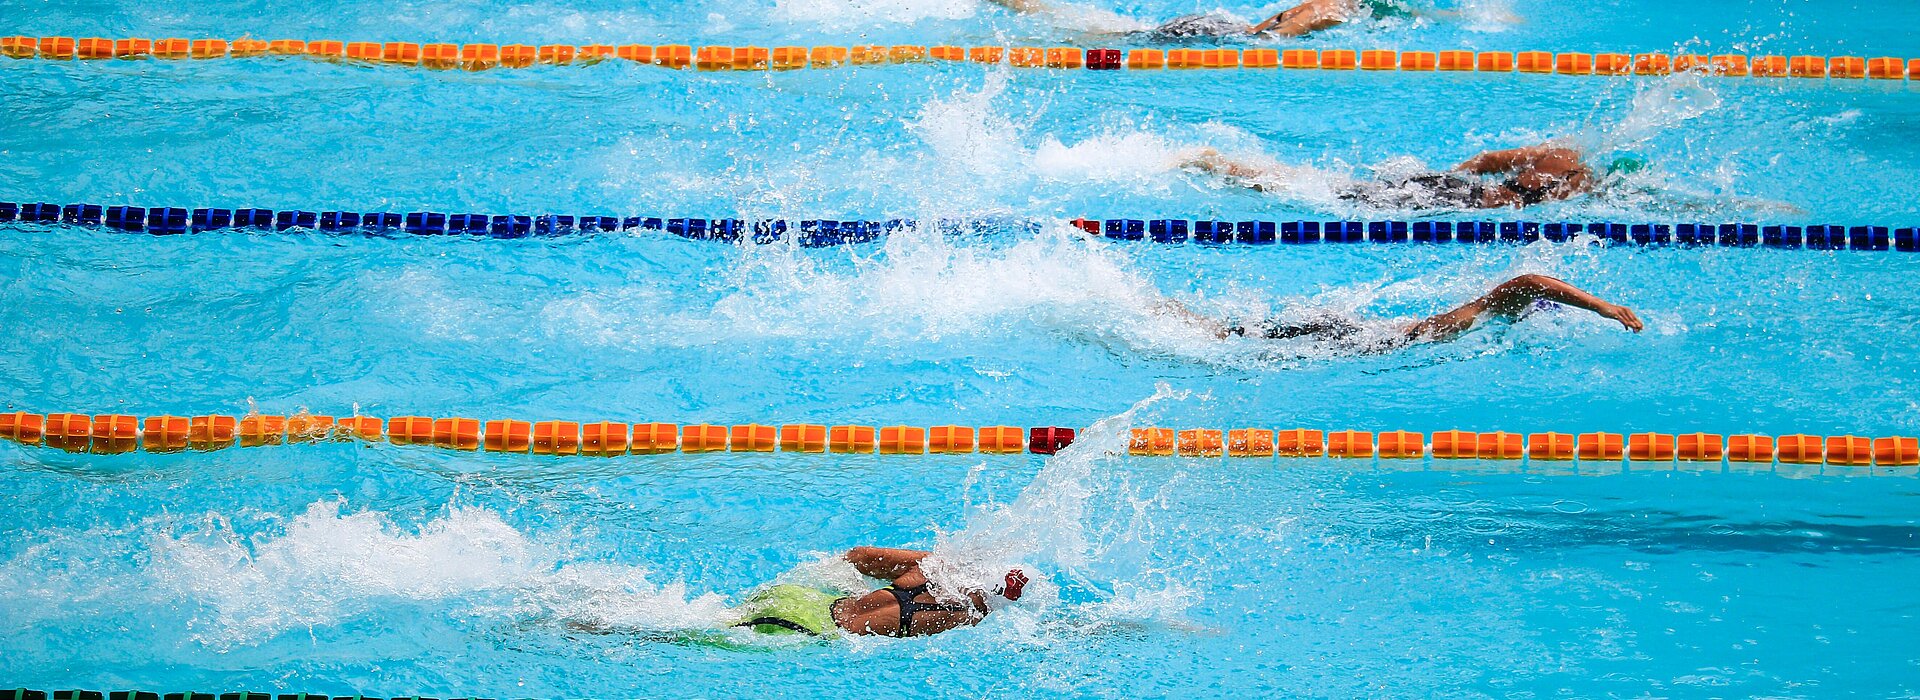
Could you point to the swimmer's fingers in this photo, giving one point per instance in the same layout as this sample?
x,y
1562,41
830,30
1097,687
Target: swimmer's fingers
x,y
1627,318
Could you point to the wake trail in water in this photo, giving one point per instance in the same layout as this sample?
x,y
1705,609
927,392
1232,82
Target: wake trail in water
x,y
328,566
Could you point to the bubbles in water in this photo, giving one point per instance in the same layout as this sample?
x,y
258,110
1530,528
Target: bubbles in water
x,y
842,14
325,566
1660,106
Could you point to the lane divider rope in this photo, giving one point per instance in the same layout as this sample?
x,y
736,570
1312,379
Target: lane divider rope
x,y
825,232
474,57
30,694
118,434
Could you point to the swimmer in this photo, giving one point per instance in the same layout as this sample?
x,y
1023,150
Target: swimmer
x,y
1529,175
904,608
1299,20
1511,300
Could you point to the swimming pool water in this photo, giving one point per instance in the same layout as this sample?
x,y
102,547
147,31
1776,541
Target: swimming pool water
x,y
390,571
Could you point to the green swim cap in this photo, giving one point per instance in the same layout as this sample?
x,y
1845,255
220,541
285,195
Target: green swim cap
x,y
1627,165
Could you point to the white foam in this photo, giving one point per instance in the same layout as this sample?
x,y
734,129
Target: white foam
x,y
1078,523
326,565
844,14
967,135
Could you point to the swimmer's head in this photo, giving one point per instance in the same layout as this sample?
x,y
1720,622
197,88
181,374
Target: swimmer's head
x,y
1622,166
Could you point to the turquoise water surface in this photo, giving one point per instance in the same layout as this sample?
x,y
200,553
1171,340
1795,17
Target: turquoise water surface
x,y
384,570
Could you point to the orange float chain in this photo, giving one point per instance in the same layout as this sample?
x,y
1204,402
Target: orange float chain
x,y
446,56
112,434
107,434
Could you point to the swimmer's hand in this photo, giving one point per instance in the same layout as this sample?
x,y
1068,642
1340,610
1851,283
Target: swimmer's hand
x,y
1622,314
1015,582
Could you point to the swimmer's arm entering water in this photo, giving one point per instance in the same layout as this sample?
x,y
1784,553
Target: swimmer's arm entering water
x,y
1523,158
1307,17
1210,160
884,563
1023,6
1511,299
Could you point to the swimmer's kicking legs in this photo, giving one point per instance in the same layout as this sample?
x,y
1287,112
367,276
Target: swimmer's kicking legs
x,y
1305,18
1510,300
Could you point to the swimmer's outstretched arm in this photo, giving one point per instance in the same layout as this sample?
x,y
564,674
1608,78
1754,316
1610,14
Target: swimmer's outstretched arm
x,y
1305,18
1023,6
1512,298
1509,160
884,563
1212,161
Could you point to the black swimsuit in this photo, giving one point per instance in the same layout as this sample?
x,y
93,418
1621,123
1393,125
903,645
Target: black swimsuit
x,y
1206,26
1438,191
909,606
1327,327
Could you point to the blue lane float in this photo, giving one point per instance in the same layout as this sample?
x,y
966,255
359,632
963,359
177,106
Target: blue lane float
x,y
30,694
824,232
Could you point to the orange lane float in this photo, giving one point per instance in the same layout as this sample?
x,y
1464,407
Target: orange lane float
x,y
604,439
1750,448
1700,447
702,437
950,439
1003,439
509,436
23,427
753,437
162,434
457,433
1456,444
363,428
72,432
115,434
852,439
1151,442
1400,444
1349,443
903,440
559,437
1300,442
258,431
1602,446
1650,447
1502,445
803,437
1250,442
1896,451
211,432
1550,446
1849,450
1800,449
1379,59
654,438
1200,442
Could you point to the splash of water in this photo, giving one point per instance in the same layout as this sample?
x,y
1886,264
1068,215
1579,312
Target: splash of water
x,y
326,565
843,14
1661,106
1078,524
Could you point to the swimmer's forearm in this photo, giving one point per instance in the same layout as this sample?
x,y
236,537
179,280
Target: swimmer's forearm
x,y
1180,311
884,563
1023,6
1515,295
1522,291
1217,163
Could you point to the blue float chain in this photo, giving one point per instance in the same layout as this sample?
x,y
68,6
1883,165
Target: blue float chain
x,y
821,232
29,694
